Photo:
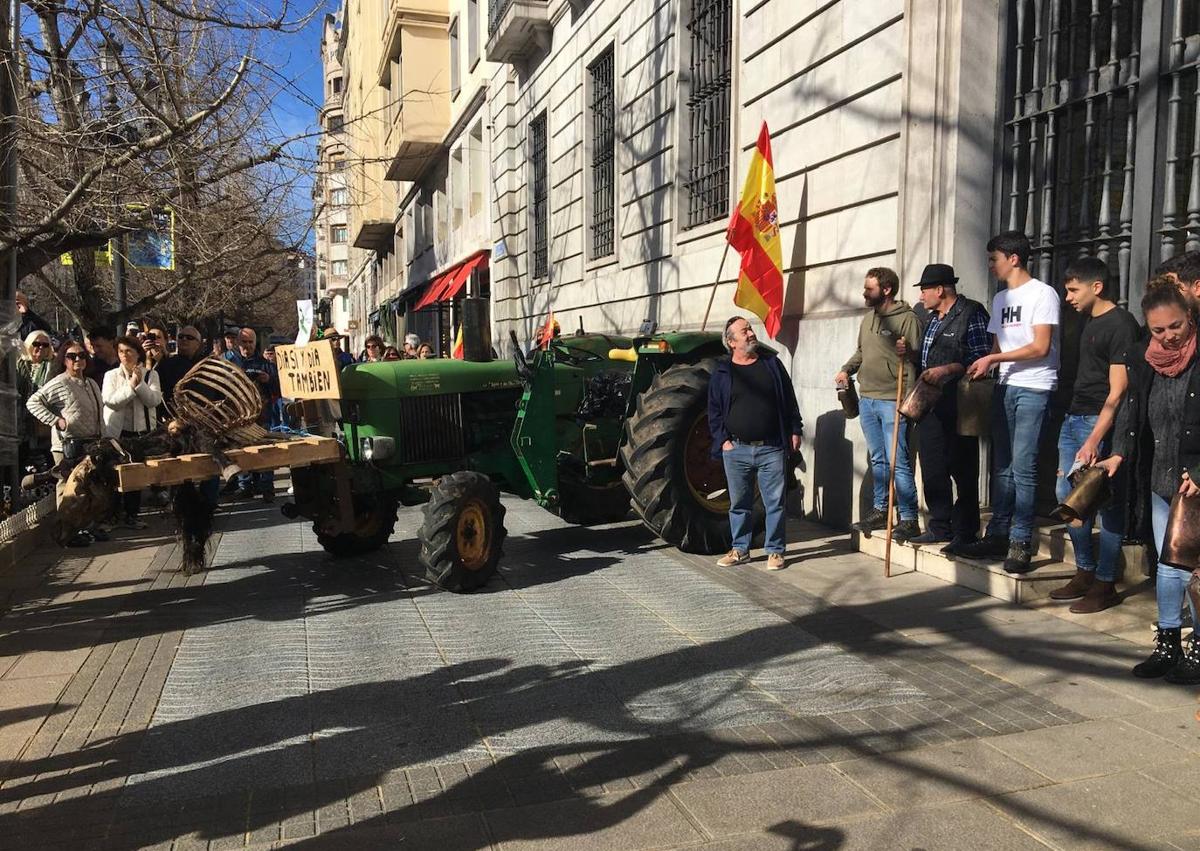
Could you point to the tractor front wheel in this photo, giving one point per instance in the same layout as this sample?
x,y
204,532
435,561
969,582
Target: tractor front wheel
x,y
677,487
462,537
374,521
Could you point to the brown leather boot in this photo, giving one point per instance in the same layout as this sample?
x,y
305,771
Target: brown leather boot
x,y
1076,588
1101,596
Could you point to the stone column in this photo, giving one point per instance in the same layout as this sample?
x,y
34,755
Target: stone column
x,y
952,77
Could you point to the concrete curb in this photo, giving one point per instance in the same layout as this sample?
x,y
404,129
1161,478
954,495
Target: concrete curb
x,y
25,531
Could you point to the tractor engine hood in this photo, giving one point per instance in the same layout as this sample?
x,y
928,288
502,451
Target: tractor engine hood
x,y
407,378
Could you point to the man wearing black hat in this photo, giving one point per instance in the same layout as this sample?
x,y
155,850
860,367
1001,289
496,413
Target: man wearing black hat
x,y
955,336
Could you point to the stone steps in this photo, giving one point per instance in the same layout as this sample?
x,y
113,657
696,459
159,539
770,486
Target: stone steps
x,y
1054,560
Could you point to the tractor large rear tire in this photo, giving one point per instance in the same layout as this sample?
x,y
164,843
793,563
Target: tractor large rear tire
x,y
677,488
374,523
463,535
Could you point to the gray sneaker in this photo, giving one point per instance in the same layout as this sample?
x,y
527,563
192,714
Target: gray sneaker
x,y
1019,555
732,558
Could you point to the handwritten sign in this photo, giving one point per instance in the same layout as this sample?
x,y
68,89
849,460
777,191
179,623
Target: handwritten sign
x,y
308,372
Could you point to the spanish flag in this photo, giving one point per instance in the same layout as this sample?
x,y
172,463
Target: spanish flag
x,y
754,233
457,351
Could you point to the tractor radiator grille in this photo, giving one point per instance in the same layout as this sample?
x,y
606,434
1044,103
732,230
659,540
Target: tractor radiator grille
x,y
431,429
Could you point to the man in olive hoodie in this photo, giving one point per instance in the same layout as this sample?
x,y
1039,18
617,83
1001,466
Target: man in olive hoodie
x,y
886,342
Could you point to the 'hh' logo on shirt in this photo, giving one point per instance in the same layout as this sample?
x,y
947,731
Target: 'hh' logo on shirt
x,y
1010,315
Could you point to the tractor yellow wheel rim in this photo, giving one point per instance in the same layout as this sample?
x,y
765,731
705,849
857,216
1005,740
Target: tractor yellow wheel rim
x,y
704,474
472,535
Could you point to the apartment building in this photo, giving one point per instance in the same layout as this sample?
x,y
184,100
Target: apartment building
x,y
903,133
330,192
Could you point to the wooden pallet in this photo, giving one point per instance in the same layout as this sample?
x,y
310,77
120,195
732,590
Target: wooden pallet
x,y
175,470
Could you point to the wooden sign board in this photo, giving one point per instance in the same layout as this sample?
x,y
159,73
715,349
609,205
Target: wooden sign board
x,y
308,372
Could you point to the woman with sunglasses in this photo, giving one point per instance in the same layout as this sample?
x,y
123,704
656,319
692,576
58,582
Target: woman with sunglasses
x,y
132,394
70,404
34,370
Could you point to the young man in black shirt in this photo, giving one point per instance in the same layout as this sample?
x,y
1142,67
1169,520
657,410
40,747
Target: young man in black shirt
x,y
1100,384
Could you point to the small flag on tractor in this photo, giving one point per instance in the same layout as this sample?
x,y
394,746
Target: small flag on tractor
x,y
457,351
754,233
547,333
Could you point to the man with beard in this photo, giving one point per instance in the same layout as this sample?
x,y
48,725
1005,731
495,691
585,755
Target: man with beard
x,y
754,421
888,340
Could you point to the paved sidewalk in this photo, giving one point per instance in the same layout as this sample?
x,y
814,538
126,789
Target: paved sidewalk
x,y
605,693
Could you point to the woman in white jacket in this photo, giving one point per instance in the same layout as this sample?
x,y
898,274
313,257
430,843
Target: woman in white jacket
x,y
131,395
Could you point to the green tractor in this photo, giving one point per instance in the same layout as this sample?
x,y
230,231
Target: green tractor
x,y
588,427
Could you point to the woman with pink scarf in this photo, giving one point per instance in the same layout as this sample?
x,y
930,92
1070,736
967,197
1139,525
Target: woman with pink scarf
x,y
1157,435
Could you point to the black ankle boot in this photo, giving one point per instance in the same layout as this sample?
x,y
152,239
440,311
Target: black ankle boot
x,y
1166,655
1187,670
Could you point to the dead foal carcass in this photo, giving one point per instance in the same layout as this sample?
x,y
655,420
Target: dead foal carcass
x,y
216,407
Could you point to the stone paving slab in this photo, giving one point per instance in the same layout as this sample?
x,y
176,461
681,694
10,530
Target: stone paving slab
x,y
628,698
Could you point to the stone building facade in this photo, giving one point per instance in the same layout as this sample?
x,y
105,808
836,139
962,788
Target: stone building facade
x,y
617,133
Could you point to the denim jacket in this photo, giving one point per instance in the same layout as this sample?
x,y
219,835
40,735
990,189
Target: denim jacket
x,y
720,389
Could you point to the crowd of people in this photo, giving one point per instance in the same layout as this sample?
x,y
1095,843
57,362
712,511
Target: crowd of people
x,y
74,388
1132,413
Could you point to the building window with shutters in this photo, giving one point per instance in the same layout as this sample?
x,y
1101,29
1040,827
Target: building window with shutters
x,y
539,197
1101,146
602,118
706,121
337,234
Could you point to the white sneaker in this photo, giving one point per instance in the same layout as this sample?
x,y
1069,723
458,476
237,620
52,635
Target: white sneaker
x,y
733,557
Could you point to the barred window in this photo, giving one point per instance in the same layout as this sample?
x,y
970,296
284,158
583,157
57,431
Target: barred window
x,y
709,60
1080,111
539,200
602,109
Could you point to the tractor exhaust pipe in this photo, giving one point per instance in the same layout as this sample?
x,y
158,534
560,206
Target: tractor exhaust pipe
x,y
477,330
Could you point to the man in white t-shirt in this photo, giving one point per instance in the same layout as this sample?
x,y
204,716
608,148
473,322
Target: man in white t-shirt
x,y
1024,322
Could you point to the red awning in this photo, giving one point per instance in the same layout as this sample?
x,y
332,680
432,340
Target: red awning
x,y
451,282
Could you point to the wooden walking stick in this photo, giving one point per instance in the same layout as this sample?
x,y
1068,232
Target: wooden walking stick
x,y
887,546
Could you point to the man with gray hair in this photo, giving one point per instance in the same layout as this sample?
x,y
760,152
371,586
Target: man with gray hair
x,y
755,422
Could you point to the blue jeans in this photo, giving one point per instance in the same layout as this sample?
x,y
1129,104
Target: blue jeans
x,y
743,466
1075,430
877,417
1170,583
1017,417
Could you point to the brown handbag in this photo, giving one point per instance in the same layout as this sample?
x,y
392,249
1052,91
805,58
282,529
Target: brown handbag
x,y
1181,543
975,406
848,397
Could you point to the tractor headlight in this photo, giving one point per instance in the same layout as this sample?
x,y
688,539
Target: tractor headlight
x,y
376,448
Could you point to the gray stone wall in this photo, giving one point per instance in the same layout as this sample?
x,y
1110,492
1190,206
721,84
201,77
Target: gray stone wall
x,y
863,100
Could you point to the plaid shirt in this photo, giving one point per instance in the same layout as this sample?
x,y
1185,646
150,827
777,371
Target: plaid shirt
x,y
976,342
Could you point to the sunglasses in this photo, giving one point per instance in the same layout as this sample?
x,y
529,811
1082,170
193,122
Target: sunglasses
x,y
187,337
76,356
41,345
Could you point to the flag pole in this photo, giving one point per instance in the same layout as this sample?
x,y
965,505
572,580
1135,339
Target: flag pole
x,y
712,295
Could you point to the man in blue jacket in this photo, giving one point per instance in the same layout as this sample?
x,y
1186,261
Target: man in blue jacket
x,y
755,422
